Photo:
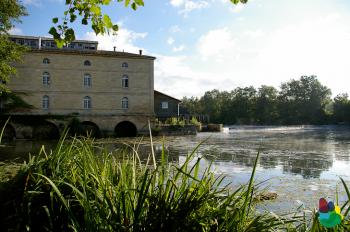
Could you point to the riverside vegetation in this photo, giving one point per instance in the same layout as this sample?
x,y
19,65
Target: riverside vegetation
x,y
82,187
296,102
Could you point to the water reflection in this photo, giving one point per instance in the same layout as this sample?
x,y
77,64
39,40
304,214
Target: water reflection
x,y
18,151
304,151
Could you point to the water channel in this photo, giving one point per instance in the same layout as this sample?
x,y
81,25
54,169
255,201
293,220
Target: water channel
x,y
300,163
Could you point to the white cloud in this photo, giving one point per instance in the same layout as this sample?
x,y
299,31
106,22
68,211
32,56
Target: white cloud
x,y
236,8
38,3
254,34
170,40
174,29
186,6
124,40
216,44
15,31
179,48
177,3
32,2
192,5
174,76
225,58
318,46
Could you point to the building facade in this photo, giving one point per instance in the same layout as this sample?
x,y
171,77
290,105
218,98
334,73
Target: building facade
x,y
105,88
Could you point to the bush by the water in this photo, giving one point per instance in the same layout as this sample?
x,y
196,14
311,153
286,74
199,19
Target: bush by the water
x,y
80,187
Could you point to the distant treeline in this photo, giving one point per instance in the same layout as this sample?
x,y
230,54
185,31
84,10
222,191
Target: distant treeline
x,y
303,101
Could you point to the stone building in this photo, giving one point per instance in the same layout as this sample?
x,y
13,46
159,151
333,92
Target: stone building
x,y
108,90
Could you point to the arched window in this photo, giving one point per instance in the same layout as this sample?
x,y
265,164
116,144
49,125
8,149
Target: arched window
x,y
87,63
46,78
125,103
46,102
125,81
46,61
87,102
87,80
125,65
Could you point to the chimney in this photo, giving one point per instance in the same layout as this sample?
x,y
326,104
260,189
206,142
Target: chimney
x,y
114,48
140,52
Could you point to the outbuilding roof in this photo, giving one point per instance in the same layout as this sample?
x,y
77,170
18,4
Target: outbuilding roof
x,y
160,93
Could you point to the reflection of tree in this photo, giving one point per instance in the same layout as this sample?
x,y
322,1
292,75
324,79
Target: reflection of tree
x,y
268,161
19,150
307,165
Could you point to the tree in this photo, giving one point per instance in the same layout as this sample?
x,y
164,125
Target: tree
x,y
341,108
10,12
303,101
191,105
90,12
212,105
243,105
266,105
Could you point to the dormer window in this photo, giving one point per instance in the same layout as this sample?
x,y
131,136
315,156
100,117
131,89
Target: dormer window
x,y
125,65
46,61
87,63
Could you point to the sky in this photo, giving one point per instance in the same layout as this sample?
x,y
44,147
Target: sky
x,y
201,45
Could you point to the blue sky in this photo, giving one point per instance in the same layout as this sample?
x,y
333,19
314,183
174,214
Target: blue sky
x,y
202,45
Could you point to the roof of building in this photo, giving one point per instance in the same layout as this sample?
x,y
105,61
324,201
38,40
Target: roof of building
x,y
47,38
92,53
157,92
81,51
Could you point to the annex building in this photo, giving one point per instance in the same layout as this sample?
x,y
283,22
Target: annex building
x,y
109,91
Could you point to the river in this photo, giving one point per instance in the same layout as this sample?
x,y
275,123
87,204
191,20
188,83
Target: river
x,y
300,163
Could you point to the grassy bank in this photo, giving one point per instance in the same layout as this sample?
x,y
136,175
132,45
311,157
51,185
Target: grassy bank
x,y
80,187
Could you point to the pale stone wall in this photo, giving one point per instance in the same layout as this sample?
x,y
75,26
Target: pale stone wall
x,y
66,90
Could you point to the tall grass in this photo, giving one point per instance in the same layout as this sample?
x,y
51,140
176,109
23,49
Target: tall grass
x,y
80,187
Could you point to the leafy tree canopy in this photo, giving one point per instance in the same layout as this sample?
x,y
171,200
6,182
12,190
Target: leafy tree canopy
x,y
10,12
89,12
300,101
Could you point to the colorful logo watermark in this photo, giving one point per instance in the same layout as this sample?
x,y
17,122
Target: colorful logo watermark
x,y
329,214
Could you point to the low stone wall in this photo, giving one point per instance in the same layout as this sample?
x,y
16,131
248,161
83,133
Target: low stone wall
x,y
174,130
212,128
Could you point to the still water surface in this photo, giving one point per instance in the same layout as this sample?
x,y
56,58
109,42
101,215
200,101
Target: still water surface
x,y
301,163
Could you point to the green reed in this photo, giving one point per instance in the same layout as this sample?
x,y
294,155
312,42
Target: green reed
x,y
81,187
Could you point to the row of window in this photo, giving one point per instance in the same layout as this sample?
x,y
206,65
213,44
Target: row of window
x,y
86,102
86,63
87,80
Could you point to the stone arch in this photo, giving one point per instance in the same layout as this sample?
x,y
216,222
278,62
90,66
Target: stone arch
x,y
125,129
9,132
46,130
91,129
